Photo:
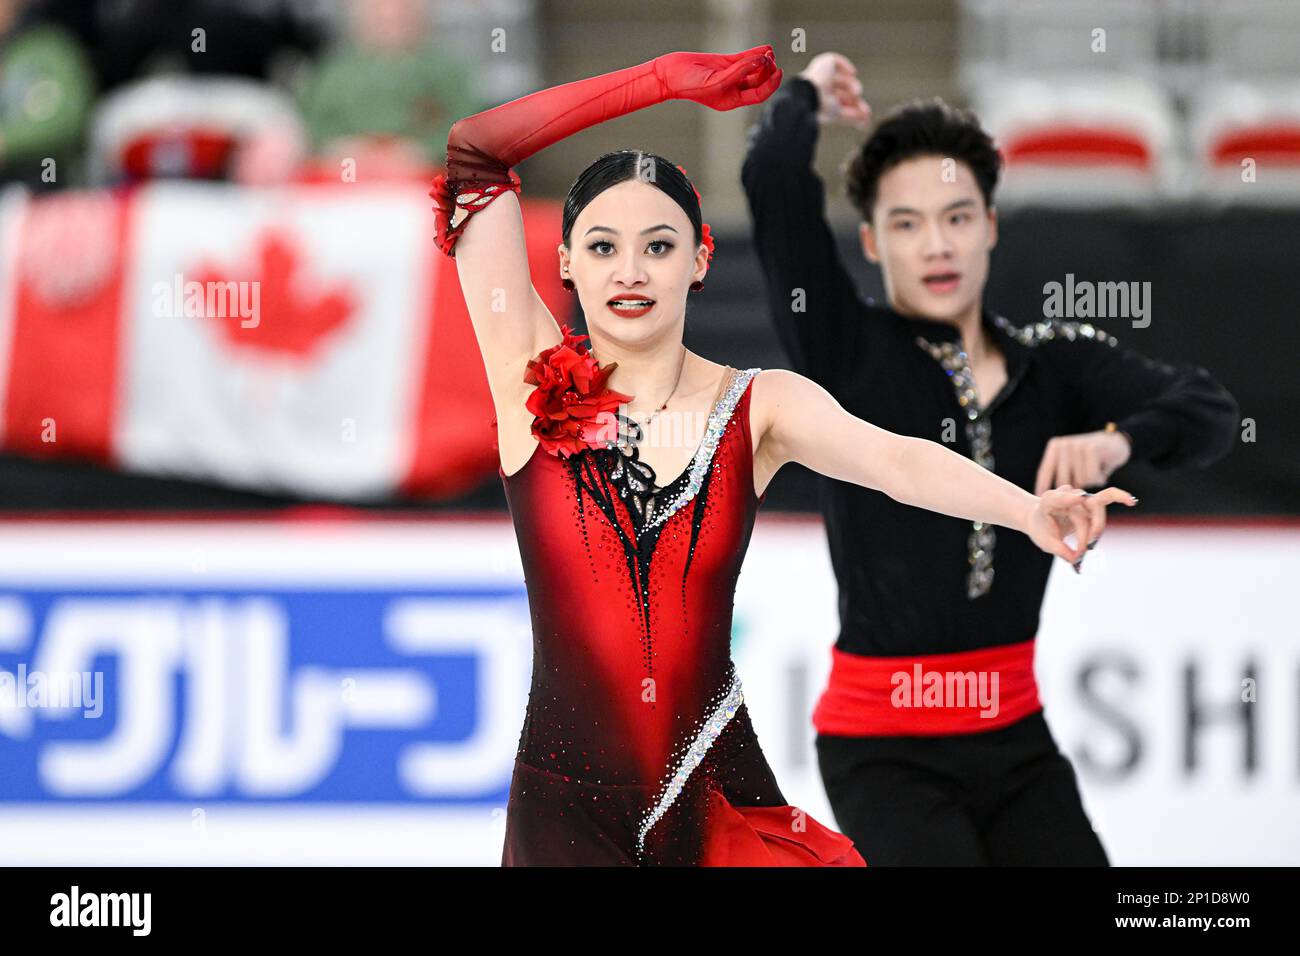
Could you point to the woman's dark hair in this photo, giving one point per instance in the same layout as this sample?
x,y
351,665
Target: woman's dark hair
x,y
627,164
921,128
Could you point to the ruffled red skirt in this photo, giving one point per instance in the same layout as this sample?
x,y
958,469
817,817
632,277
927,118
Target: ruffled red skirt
x,y
552,820
771,836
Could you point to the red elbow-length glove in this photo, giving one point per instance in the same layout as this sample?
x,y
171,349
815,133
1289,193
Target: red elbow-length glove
x,y
482,148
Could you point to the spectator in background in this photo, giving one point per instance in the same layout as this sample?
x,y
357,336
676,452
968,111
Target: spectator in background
x,y
131,39
386,95
47,88
197,88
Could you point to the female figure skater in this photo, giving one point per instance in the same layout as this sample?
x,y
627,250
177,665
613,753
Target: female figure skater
x,y
637,748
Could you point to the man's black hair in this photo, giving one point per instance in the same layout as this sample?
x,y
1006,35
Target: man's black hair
x,y
921,128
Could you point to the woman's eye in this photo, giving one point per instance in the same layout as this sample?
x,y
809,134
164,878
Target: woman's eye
x,y
599,245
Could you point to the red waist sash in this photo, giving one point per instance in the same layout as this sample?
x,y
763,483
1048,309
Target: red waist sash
x,y
960,693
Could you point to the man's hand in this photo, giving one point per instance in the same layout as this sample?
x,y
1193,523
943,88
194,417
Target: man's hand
x,y
1081,461
838,89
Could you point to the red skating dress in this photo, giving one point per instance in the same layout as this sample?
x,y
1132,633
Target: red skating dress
x,y
637,747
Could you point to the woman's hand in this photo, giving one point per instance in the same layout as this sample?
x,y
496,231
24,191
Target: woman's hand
x,y
1061,510
720,81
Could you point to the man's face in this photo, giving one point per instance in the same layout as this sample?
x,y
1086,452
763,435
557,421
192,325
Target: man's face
x,y
931,234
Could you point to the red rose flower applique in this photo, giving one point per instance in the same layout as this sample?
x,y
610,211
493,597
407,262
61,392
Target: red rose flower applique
x,y
572,408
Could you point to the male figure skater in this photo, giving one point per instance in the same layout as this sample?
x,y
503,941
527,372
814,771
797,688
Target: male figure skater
x,y
920,778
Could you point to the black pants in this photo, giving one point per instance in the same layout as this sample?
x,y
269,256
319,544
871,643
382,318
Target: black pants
x,y
1005,797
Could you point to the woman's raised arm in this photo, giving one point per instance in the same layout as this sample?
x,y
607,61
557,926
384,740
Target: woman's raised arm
x,y
479,221
511,322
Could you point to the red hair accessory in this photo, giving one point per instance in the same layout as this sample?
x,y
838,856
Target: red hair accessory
x,y
705,237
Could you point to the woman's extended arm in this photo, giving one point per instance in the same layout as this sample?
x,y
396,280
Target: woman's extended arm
x,y
478,217
805,424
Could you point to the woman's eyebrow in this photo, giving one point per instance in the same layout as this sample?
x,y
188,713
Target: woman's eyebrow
x,y
662,225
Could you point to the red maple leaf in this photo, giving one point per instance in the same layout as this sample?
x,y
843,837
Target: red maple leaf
x,y
294,314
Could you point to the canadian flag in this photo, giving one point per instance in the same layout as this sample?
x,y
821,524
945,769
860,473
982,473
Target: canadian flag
x,y
308,340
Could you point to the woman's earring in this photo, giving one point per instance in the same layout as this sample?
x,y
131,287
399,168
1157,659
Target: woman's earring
x,y
697,285
567,283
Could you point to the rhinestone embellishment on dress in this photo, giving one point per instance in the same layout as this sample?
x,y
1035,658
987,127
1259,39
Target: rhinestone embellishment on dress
x,y
699,466
471,198
477,197
720,716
